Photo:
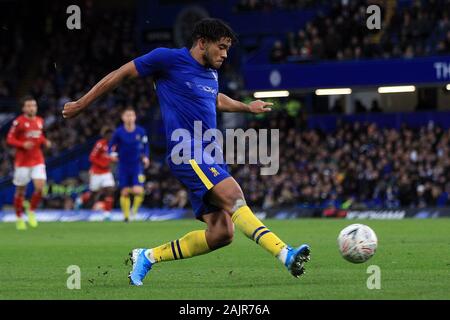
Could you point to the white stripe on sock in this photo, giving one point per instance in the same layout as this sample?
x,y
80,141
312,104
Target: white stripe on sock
x,y
283,254
149,254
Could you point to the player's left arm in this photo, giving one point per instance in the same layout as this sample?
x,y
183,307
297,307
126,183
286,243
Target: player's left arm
x,y
44,141
227,104
12,137
146,150
113,147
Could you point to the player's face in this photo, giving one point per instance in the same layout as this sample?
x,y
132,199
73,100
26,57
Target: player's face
x,y
30,108
129,117
217,52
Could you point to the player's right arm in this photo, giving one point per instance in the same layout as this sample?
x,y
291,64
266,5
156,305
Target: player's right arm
x,y
108,83
43,140
156,60
13,140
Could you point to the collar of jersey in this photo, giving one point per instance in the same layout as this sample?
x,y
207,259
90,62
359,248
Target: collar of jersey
x,y
198,64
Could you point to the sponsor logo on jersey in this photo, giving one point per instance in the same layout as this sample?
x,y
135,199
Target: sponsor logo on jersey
x,y
207,89
33,134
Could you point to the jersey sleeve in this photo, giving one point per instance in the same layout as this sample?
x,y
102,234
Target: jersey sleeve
x,y
96,156
95,152
157,60
11,138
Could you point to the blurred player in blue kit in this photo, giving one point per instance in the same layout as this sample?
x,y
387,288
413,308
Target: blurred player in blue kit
x,y
129,147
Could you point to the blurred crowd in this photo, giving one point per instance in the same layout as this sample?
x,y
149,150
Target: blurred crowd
x,y
268,5
67,71
359,165
412,31
12,51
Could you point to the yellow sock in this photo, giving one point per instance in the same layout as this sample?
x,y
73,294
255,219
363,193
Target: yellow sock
x,y
253,228
137,201
192,244
125,205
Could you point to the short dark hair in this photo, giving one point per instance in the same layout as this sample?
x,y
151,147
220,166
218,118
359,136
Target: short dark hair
x,y
105,130
127,108
26,98
213,30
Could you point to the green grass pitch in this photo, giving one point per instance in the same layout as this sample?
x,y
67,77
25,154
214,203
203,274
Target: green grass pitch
x,y
413,256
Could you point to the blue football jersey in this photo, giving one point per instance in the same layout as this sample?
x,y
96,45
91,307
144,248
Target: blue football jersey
x,y
187,90
130,146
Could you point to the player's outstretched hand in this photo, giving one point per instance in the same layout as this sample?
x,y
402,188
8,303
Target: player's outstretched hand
x,y
259,106
113,157
48,144
146,162
72,109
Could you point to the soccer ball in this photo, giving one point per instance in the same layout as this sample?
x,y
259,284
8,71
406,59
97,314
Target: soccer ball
x,y
357,243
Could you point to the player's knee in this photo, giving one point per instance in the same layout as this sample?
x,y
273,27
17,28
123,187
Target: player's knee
x,y
224,237
20,191
38,189
221,233
234,200
238,203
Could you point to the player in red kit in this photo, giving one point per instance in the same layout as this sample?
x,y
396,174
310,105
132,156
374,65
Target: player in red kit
x,y
101,181
26,135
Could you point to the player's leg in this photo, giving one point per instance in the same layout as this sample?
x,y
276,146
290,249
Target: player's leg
x,y
36,198
125,184
138,190
22,176
219,233
108,193
39,177
199,179
19,198
90,198
95,188
228,195
125,202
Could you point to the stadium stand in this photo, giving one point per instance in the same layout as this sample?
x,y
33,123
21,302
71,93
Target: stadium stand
x,y
411,31
359,165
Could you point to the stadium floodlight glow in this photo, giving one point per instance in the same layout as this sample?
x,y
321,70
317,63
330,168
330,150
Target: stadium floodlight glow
x,y
330,92
448,87
271,94
396,89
